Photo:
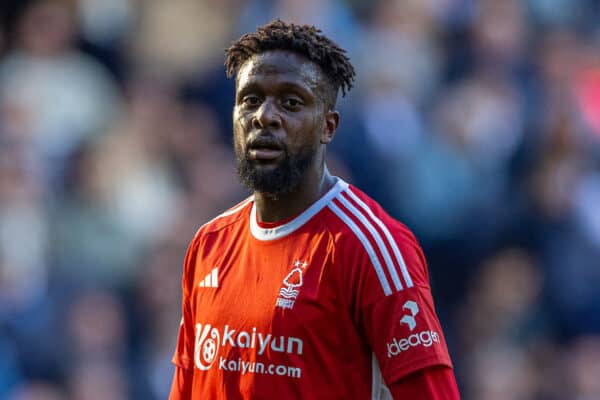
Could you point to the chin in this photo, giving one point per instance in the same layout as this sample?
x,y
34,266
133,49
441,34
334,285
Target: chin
x,y
268,179
273,177
265,164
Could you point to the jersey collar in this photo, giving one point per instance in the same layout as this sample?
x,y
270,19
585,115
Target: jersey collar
x,y
289,227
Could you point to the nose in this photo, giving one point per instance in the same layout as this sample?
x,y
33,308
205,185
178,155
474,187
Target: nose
x,y
266,116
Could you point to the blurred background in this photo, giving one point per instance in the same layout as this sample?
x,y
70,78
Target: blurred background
x,y
475,122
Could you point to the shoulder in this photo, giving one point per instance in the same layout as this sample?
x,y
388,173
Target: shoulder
x,y
224,220
208,238
358,216
369,239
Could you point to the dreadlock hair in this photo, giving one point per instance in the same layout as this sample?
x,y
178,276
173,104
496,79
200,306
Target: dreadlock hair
x,y
305,40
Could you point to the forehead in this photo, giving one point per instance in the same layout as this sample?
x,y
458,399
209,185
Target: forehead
x,y
279,67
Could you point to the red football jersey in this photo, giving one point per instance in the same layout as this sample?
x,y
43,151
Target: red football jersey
x,y
334,304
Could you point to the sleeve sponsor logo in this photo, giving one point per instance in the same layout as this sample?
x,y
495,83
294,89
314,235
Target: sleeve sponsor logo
x,y
426,338
409,319
423,338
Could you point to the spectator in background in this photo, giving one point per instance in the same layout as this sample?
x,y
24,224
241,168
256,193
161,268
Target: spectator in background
x,y
38,390
97,381
491,104
23,269
501,323
402,67
583,369
52,95
158,43
159,311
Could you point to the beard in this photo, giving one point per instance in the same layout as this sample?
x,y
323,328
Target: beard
x,y
274,180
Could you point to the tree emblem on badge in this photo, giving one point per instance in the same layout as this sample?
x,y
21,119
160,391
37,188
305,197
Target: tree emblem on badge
x,y
292,281
294,278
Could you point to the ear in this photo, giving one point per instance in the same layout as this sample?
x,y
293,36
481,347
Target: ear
x,y
332,120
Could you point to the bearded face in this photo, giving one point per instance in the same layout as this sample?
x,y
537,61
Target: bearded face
x,y
277,177
278,122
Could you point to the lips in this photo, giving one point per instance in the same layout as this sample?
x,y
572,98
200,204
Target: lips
x,y
264,150
264,154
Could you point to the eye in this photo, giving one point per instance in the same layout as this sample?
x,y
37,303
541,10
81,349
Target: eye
x,y
292,102
251,101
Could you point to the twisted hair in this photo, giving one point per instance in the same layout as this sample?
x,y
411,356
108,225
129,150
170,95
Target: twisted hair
x,y
305,40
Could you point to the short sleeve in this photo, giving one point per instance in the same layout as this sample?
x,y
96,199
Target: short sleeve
x,y
400,322
184,351
432,383
405,334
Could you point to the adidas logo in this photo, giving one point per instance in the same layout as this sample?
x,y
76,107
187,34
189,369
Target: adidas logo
x,y
211,280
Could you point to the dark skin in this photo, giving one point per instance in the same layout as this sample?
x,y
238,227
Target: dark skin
x,y
281,95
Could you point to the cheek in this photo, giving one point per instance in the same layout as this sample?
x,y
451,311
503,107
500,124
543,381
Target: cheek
x,y
238,137
302,131
239,125
242,117
240,133
316,128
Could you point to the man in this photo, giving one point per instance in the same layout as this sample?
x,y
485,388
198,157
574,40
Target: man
x,y
307,289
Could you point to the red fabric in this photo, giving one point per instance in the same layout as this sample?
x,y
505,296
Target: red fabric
x,y
273,224
181,389
434,383
333,304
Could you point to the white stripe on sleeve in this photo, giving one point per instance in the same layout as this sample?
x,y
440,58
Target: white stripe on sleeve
x,y
377,237
388,235
365,242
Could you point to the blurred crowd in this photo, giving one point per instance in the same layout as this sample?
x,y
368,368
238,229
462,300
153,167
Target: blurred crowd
x,y
475,122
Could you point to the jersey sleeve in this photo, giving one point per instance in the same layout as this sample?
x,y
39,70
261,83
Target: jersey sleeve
x,y
433,383
184,351
405,334
181,388
394,306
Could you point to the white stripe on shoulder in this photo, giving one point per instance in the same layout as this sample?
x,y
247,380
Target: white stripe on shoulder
x,y
388,235
235,209
231,211
377,237
365,242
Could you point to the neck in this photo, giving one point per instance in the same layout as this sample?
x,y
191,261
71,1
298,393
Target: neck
x,y
273,208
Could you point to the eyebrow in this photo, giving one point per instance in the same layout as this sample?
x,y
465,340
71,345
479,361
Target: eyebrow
x,y
303,89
